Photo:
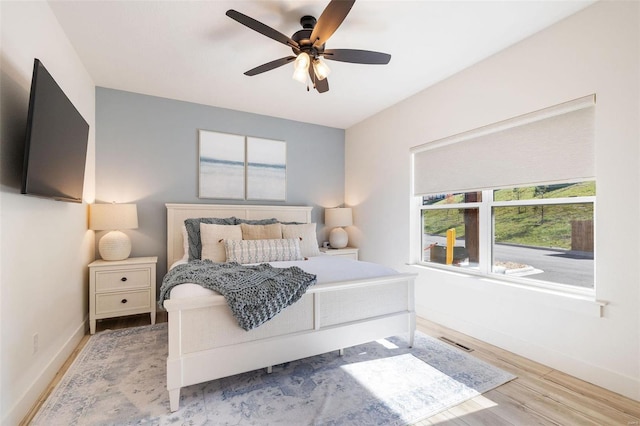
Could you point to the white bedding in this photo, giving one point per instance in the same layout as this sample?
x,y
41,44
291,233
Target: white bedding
x,y
328,269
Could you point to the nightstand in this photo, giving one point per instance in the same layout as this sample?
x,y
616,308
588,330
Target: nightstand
x,y
122,287
350,252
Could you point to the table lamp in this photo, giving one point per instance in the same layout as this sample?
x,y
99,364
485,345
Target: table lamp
x,y
336,218
115,245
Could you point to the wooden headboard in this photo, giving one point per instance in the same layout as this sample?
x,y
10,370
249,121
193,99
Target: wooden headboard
x,y
177,213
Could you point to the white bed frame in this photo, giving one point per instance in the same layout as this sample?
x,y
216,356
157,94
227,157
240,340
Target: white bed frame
x,y
205,342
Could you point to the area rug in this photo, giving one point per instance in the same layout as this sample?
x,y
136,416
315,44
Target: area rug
x,y
119,379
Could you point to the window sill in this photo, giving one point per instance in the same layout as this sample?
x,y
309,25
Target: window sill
x,y
560,296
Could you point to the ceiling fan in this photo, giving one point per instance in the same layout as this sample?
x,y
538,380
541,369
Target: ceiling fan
x,y
308,45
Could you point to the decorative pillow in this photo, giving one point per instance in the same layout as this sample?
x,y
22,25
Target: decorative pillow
x,y
193,232
185,243
308,238
213,237
258,251
261,232
256,221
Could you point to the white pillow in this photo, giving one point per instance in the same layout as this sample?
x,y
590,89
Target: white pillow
x,y
258,251
213,237
306,232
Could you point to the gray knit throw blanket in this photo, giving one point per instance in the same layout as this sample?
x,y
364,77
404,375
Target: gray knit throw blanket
x,y
255,293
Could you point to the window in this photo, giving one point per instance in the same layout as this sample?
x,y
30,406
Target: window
x,y
513,199
541,233
454,217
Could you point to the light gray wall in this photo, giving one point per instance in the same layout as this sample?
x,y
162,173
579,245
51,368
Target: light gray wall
x,y
147,153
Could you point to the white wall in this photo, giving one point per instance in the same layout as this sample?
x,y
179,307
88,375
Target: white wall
x,y
594,51
45,244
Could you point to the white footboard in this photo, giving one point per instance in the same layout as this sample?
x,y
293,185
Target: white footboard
x,y
205,342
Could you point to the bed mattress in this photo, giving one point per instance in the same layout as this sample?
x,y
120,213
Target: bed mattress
x,y
327,269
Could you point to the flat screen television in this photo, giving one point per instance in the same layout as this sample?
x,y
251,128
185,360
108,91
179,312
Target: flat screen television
x,y
56,142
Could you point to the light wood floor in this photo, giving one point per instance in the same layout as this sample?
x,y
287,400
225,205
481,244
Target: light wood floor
x,y
539,396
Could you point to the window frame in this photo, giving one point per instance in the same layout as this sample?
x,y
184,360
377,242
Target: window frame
x,y
486,240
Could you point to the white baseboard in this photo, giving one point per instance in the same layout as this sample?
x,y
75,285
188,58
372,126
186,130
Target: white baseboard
x,y
27,400
611,380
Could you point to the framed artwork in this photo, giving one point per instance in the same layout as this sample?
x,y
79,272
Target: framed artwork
x,y
266,169
238,167
221,165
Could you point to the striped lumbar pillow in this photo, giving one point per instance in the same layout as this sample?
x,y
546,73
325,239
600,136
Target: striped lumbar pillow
x,y
257,251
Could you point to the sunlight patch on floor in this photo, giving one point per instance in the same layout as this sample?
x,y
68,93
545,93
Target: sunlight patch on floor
x,y
405,380
387,344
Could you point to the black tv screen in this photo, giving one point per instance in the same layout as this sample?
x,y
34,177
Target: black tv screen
x,y
56,142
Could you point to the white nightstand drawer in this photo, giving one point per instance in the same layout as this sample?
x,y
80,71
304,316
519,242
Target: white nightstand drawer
x,y
122,280
119,302
348,252
347,255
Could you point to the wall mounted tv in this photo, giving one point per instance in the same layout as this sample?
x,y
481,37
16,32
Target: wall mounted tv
x,y
56,142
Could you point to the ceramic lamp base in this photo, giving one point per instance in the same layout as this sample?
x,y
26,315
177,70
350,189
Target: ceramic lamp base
x,y
338,238
115,245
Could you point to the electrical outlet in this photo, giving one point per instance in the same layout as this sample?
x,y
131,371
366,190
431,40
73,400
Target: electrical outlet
x,y
35,343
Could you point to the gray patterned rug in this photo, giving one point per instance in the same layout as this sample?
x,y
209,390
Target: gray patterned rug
x,y
119,379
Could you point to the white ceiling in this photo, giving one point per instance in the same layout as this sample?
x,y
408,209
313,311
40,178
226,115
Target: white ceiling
x,y
191,51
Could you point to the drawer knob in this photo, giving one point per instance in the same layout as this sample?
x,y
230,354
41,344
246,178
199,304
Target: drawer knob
x,y
123,301
123,279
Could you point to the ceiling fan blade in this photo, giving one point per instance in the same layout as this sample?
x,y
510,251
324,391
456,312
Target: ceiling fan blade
x,y
357,56
330,20
261,28
269,66
320,85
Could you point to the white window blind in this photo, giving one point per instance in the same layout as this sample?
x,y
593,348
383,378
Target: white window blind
x,y
555,144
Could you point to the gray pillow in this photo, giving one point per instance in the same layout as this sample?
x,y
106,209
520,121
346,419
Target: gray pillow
x,y
193,232
256,221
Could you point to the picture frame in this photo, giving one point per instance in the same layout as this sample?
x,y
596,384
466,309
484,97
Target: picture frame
x,y
238,167
221,165
266,169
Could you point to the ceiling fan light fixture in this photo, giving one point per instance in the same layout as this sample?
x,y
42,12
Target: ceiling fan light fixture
x,y
308,44
301,67
321,69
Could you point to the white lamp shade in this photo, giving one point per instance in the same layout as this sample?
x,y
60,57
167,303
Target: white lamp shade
x,y
339,216
321,69
301,67
109,217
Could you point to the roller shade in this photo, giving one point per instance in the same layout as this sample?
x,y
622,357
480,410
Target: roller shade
x,y
555,144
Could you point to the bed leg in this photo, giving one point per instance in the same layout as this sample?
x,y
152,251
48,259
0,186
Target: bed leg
x,y
174,399
412,329
270,369
341,352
